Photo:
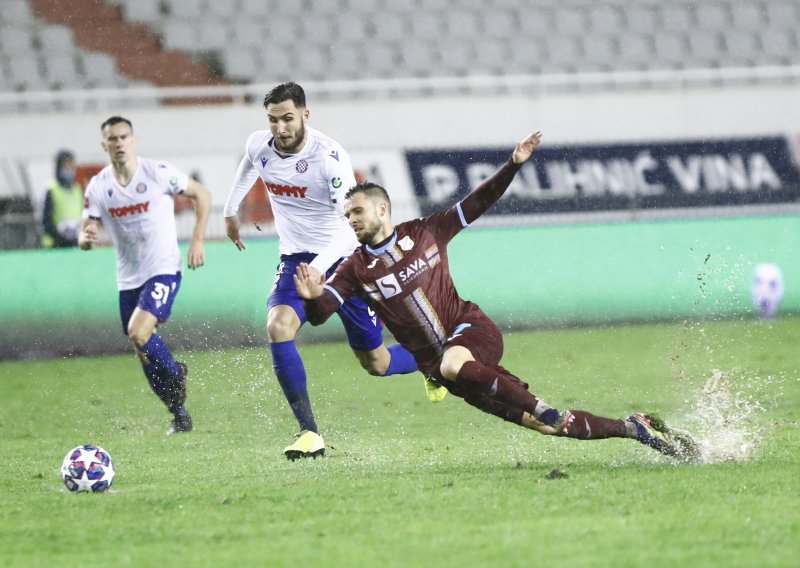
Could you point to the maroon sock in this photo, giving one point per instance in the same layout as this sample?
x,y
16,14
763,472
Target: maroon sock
x,y
585,426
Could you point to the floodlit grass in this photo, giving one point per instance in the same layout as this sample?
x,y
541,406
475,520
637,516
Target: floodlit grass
x,y
409,483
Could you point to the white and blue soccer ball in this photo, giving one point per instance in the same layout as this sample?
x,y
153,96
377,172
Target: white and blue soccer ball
x,y
87,468
767,289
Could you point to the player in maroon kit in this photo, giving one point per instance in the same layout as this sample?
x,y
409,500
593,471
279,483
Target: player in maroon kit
x,y
402,272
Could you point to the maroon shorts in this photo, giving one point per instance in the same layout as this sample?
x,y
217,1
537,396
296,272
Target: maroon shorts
x,y
476,332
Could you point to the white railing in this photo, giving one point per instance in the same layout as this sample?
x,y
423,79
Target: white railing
x,y
103,99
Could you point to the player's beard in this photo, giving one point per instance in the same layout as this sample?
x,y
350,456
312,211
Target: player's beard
x,y
292,146
369,233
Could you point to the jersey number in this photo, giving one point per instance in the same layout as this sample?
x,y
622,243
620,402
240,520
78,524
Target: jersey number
x,y
160,293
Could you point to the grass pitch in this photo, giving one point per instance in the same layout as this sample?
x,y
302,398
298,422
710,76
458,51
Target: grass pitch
x,y
409,483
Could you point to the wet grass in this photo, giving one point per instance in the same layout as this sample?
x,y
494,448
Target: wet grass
x,y
406,482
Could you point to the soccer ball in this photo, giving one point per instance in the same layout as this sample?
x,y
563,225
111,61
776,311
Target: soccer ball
x,y
767,289
87,468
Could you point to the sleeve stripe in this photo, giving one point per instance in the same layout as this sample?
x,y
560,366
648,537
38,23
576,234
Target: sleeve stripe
x,y
333,291
461,215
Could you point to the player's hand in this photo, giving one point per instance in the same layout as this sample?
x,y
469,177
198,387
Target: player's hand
x,y
197,255
87,238
232,229
308,281
525,148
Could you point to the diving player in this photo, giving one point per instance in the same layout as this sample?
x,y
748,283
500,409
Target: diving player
x,y
402,272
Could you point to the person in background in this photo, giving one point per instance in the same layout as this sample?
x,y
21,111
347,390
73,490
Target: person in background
x,y
133,198
63,205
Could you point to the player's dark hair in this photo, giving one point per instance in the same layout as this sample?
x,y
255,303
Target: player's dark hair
x,y
286,92
371,190
116,120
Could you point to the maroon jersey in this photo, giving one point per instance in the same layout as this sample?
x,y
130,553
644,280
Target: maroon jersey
x,y
406,279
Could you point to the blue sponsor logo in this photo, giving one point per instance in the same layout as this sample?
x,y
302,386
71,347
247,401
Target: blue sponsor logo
x,y
263,162
335,155
110,192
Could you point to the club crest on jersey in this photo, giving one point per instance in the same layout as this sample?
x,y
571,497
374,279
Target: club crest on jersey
x,y
301,166
263,162
335,155
141,188
405,243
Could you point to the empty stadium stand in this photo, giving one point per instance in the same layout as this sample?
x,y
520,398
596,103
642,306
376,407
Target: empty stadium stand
x,y
90,44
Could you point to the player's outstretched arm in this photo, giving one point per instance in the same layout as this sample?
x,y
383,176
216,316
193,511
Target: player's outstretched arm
x,y
87,238
308,282
202,198
487,193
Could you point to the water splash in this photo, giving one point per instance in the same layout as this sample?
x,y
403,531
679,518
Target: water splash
x,y
725,416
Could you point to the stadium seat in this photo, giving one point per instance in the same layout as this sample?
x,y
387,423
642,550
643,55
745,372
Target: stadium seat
x,y
778,47
17,12
240,63
142,10
600,51
498,24
56,39
748,16
670,49
535,22
210,36
180,34
463,24
26,72
390,26
742,47
491,57
782,14
712,17
675,17
382,61
347,62
457,57
605,19
705,47
187,9
564,52
635,50
246,32
16,40
352,27
570,21
430,27
99,70
62,71
641,19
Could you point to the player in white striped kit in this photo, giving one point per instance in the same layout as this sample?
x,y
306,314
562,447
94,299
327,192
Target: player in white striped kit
x,y
133,198
306,175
